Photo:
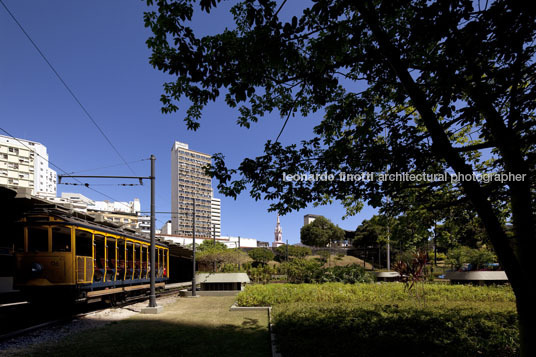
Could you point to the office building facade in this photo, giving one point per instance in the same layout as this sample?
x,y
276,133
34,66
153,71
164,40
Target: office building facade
x,y
188,183
215,217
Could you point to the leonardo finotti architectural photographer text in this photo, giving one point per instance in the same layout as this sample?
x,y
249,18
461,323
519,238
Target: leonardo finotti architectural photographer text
x,y
406,177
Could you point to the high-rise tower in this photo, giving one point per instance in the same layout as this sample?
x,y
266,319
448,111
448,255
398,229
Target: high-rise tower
x,y
189,182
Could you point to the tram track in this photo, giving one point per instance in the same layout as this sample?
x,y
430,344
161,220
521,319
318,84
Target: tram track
x,y
22,309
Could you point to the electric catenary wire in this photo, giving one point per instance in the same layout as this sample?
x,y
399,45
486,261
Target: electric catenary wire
x,y
65,85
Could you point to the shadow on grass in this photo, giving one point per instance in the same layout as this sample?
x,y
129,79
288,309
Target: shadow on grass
x,y
143,337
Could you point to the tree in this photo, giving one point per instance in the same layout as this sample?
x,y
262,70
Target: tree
x,y
320,233
293,251
405,87
261,255
370,232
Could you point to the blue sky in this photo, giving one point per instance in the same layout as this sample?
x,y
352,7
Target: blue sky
x,y
99,49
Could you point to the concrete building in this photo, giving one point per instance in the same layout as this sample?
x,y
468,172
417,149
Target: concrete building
x,y
309,218
124,214
229,241
24,164
215,217
188,183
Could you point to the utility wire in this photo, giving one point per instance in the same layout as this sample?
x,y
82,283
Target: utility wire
x,y
65,85
105,167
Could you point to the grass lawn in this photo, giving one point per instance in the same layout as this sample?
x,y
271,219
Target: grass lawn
x,y
203,326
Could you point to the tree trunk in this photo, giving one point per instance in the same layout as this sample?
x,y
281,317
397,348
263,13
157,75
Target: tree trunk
x,y
526,310
514,259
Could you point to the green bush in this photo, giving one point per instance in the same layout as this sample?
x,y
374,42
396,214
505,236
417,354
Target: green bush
x,y
293,251
273,294
336,319
324,255
261,274
261,255
477,258
300,271
349,274
389,330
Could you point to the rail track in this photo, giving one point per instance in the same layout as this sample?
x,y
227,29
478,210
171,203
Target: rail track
x,y
19,326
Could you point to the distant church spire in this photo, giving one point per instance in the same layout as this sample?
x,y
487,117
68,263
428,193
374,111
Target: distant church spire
x,y
278,234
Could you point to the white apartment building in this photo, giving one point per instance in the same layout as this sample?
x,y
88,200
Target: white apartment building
x,y
215,217
24,164
125,214
189,183
229,241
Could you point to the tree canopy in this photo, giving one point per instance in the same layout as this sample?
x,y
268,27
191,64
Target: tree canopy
x,y
293,251
261,255
320,233
405,86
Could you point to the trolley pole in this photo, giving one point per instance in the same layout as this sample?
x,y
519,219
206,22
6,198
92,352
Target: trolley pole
x,y
194,293
152,298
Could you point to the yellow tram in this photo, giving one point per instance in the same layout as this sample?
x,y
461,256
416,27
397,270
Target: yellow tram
x,y
83,260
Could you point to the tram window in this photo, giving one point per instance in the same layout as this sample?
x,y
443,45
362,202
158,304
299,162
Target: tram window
x,y
83,243
38,239
99,250
61,239
110,252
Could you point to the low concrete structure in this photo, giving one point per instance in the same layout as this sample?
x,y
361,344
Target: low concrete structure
x,y
484,276
387,275
222,281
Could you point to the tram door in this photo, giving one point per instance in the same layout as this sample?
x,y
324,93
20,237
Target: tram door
x,y
121,263
110,258
137,257
130,261
99,258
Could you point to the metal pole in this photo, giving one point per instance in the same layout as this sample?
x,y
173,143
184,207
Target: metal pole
x,y
388,247
152,298
214,239
194,293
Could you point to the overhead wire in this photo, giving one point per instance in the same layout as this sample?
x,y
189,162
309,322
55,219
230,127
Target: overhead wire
x,y
65,85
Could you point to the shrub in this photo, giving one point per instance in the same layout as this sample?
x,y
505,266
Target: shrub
x,y
261,255
337,319
324,255
293,252
272,294
349,274
389,330
475,258
301,270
